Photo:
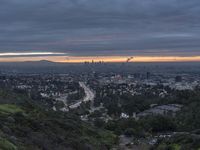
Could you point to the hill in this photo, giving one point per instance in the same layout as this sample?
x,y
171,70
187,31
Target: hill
x,y
25,126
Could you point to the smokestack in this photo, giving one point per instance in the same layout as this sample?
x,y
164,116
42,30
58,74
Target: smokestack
x,y
129,59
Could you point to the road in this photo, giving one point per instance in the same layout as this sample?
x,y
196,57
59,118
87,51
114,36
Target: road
x,y
89,96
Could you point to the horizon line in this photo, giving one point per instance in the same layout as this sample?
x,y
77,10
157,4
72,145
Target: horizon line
x,y
106,59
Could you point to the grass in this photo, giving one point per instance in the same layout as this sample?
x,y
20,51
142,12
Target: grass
x,y
108,138
176,147
9,109
6,145
171,147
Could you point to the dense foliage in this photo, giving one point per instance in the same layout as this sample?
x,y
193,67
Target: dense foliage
x,y
26,126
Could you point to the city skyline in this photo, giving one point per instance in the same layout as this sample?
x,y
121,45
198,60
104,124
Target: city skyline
x,y
106,59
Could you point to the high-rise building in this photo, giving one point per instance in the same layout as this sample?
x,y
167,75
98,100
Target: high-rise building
x,y
148,75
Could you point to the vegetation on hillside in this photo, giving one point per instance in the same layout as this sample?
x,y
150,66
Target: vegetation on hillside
x,y
29,127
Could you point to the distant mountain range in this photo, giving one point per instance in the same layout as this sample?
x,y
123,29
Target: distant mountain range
x,y
51,63
31,63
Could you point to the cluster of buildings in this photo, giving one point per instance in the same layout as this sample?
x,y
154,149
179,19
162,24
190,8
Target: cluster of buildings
x,y
155,110
59,86
48,86
165,110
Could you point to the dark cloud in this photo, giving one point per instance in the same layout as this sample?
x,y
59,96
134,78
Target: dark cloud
x,y
101,27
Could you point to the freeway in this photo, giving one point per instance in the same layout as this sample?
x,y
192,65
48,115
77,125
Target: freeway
x,y
89,96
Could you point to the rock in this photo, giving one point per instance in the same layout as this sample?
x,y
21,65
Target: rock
x,y
11,119
7,130
88,147
13,139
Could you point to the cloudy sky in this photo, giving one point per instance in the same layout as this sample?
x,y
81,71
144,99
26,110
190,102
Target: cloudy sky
x,y
98,28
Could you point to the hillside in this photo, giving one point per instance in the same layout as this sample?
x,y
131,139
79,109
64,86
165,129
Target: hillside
x,y
25,126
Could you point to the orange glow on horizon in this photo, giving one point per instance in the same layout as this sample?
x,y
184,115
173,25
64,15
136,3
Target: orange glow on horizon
x,y
81,59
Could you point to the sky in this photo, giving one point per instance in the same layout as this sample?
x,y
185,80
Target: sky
x,y
107,30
